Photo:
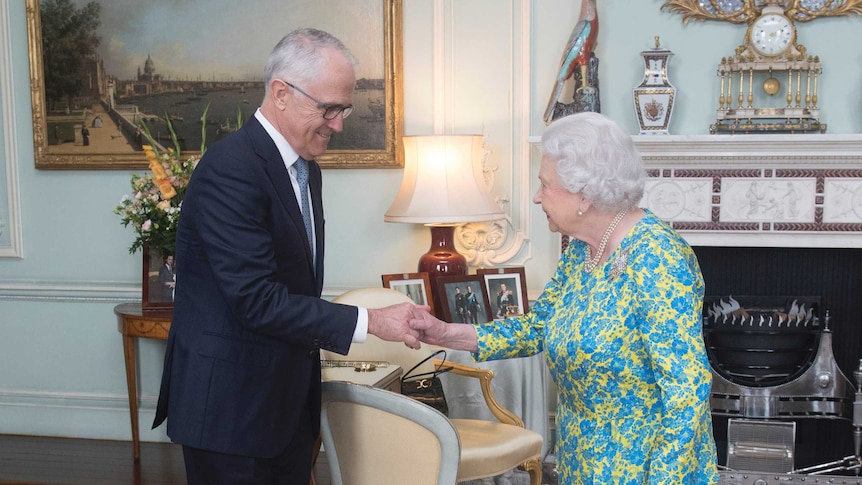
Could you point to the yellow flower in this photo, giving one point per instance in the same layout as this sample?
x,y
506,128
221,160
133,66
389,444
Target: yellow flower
x,y
165,187
157,169
150,153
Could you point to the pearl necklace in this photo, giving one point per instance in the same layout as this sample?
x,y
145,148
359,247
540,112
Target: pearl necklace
x,y
591,262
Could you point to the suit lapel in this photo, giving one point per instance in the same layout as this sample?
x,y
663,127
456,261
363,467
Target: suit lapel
x,y
277,173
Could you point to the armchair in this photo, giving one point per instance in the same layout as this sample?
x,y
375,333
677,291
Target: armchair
x,y
488,448
357,426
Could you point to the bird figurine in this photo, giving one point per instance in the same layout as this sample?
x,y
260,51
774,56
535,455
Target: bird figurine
x,y
577,54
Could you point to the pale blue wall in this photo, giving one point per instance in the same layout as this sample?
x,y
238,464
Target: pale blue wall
x,y
61,362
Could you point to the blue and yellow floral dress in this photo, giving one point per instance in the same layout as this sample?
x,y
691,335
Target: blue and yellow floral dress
x,y
625,350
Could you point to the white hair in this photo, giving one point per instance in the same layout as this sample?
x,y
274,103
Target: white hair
x,y
595,157
296,58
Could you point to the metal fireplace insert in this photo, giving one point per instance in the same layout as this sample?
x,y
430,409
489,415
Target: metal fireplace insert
x,y
772,364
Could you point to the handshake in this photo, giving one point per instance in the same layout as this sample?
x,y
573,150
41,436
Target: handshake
x,y
413,324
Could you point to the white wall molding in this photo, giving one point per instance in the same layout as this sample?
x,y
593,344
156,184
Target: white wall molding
x,y
70,291
10,211
100,292
60,414
500,242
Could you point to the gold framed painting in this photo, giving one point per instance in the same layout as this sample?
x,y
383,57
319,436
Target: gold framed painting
x,y
165,63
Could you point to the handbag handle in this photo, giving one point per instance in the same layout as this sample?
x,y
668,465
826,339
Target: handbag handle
x,y
439,370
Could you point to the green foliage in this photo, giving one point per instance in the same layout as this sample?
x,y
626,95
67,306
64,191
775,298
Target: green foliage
x,y
68,40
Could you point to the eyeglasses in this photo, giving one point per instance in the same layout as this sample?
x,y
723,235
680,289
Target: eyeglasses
x,y
330,111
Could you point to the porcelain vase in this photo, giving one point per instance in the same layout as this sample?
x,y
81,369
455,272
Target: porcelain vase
x,y
654,96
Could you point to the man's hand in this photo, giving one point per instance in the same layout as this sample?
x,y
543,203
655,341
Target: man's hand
x,y
393,323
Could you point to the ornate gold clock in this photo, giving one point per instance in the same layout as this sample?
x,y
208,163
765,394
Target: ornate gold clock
x,y
769,84
772,34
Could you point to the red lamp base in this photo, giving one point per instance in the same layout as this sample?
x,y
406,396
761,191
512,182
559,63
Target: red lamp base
x,y
442,259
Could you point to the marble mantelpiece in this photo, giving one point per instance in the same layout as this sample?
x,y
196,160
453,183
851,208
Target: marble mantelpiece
x,y
776,190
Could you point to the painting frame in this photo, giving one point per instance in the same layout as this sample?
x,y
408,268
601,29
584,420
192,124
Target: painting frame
x,y
514,277
152,296
391,155
447,289
416,286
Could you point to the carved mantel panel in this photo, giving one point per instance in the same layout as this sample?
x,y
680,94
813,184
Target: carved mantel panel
x,y
757,190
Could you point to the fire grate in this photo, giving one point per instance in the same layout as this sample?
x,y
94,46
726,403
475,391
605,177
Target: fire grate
x,y
772,358
761,341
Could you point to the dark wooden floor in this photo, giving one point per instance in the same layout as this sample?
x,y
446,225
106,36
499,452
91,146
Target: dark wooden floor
x,y
70,461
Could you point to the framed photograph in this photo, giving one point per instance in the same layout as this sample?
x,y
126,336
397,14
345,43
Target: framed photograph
x,y
415,285
158,281
507,290
464,299
160,62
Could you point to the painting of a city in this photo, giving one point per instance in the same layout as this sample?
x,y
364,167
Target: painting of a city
x,y
111,69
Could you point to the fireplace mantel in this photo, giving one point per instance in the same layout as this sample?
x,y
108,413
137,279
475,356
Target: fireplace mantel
x,y
768,150
777,190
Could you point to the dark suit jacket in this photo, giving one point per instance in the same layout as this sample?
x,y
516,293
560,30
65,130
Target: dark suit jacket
x,y
242,357
166,275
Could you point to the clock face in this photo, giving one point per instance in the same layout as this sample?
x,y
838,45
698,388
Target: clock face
x,y
771,34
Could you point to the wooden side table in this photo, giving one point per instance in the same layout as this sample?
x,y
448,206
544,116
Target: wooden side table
x,y
133,322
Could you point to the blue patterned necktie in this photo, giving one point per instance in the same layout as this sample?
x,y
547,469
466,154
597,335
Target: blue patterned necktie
x,y
301,166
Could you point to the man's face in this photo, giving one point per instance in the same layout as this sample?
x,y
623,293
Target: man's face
x,y
503,288
302,122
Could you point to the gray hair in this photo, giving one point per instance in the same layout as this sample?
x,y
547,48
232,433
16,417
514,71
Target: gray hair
x,y
596,157
296,57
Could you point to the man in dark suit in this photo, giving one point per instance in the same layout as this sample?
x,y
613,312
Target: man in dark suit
x,y
166,278
460,306
241,381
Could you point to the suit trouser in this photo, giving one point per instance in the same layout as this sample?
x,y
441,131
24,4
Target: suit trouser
x,y
291,466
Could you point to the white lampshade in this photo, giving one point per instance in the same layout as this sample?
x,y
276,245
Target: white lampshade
x,y
442,182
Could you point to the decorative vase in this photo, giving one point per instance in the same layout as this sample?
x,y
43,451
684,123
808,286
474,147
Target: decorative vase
x,y
654,96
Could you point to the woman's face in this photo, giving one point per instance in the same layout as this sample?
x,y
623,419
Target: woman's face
x,y
560,205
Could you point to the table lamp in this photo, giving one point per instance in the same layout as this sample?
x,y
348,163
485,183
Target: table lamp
x,y
442,188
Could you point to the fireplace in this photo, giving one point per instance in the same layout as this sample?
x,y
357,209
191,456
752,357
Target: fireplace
x,y
772,215
834,277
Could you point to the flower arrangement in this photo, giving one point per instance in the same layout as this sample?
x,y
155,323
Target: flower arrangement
x,y
153,208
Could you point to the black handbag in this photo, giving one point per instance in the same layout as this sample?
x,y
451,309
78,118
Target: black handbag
x,y
427,387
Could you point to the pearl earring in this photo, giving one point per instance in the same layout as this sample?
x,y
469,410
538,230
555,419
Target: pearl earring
x,y
580,212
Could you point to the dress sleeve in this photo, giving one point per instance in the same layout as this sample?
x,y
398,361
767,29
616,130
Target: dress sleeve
x,y
522,336
670,303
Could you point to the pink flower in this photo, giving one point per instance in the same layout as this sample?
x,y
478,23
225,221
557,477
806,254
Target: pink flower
x,y
146,225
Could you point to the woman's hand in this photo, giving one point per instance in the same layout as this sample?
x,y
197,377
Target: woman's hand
x,y
434,331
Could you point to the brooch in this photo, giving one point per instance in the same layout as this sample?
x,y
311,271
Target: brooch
x,y
620,263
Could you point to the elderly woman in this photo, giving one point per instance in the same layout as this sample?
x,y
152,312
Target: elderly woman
x,y
619,322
